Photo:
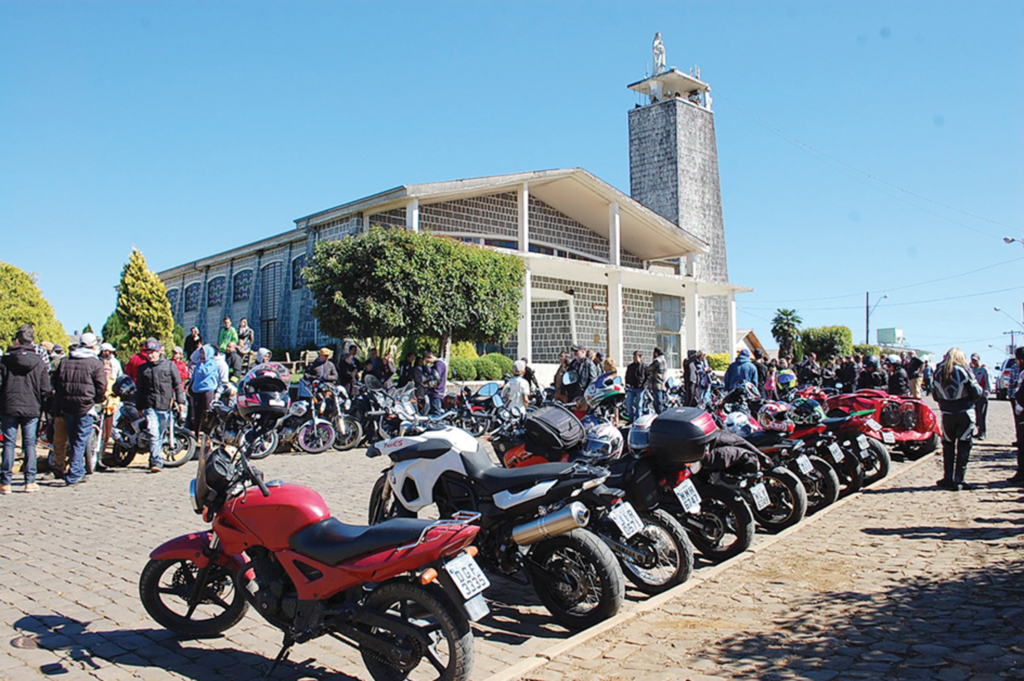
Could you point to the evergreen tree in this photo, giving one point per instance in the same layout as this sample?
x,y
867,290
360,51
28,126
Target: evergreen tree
x,y
88,329
143,310
21,302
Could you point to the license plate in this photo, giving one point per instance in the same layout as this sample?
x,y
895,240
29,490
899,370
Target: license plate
x,y
760,493
476,607
862,441
873,424
688,496
804,464
837,452
887,437
467,575
627,519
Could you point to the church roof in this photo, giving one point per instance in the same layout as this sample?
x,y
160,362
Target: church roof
x,y
572,191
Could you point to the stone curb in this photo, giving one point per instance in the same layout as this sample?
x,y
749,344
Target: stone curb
x,y
654,602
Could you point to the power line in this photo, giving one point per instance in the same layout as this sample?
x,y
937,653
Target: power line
x,y
912,302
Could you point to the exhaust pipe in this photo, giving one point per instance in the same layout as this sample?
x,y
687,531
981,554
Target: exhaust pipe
x,y
572,517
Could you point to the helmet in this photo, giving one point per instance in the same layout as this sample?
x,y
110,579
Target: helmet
x,y
807,411
894,359
786,379
124,387
640,432
738,423
750,391
775,416
604,441
871,362
606,388
263,392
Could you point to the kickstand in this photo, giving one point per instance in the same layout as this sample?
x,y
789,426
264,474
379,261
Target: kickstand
x,y
281,656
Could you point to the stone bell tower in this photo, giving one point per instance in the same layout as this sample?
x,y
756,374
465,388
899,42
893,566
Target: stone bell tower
x,y
673,170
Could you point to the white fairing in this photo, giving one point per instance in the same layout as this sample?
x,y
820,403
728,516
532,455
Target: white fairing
x,y
459,439
424,473
508,499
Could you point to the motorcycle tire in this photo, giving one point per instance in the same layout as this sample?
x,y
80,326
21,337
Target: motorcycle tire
x,y
474,425
577,578
348,431
850,471
383,504
673,554
821,484
788,501
878,463
918,450
181,451
268,444
433,611
725,527
92,451
315,437
220,614
121,456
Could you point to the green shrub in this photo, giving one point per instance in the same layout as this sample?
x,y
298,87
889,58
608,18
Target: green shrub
x,y
719,361
486,369
461,369
464,350
420,344
865,350
827,342
504,363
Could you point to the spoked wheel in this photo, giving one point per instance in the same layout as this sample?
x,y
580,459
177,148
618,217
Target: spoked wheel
x,y
316,437
473,424
577,578
788,500
725,526
265,447
122,456
348,433
877,465
441,648
181,451
670,551
166,586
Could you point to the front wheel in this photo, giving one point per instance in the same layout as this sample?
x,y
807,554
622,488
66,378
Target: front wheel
x,y
316,437
383,504
122,456
166,587
878,462
443,648
348,433
724,528
787,500
181,451
577,578
669,551
266,445
474,424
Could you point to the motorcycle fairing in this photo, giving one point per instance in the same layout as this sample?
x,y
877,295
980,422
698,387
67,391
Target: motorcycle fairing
x,y
424,474
193,547
506,499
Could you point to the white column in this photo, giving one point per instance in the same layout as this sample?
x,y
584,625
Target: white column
x,y
524,218
615,317
732,323
524,333
614,235
692,303
412,216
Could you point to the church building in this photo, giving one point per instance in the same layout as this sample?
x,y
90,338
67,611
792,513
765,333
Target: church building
x,y
606,270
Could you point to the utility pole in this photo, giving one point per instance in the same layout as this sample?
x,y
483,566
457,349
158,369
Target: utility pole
x,y
867,318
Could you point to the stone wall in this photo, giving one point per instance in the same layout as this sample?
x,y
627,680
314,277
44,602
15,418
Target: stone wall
x,y
589,322
550,329
390,218
497,214
637,323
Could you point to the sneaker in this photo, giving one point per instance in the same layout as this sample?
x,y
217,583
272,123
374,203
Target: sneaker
x,y
5,489
80,481
945,483
156,469
1017,477
31,487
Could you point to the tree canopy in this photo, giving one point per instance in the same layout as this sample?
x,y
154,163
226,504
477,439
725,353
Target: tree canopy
x,y
828,342
143,310
398,283
21,302
786,330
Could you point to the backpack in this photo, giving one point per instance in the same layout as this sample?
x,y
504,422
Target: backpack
x,y
431,379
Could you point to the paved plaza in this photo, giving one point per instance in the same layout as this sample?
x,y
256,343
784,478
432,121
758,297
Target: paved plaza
x,y
903,581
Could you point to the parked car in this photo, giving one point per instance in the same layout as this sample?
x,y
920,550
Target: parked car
x,y
1003,378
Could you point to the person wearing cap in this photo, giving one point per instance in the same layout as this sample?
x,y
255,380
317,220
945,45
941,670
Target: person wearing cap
x,y
657,379
516,392
24,384
322,368
158,387
112,368
79,384
899,382
981,375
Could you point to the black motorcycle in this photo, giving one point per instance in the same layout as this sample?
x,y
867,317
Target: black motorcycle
x,y
130,437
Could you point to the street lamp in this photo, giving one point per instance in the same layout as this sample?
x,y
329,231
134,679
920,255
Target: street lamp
x,y
867,315
1010,240
999,309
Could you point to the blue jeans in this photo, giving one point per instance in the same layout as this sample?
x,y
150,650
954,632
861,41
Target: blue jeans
x,y
156,427
79,427
29,425
633,396
659,400
435,405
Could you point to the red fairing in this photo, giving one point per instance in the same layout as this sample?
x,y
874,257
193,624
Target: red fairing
x,y
925,422
192,547
268,521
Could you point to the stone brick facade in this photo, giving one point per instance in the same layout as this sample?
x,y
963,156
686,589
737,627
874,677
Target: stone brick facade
x,y
497,214
637,323
390,218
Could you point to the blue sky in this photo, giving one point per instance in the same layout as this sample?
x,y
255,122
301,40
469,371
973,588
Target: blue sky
x,y
863,146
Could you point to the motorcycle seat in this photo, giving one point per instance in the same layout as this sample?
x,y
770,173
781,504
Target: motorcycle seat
x,y
494,478
430,448
332,542
765,438
834,421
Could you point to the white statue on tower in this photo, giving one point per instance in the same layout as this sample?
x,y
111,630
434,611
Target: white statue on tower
x,y
659,55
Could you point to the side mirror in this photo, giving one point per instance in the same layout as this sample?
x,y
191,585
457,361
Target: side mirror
x,y
497,400
488,390
570,378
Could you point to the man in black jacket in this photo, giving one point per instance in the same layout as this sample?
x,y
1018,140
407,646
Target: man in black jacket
x,y
233,359
24,384
586,372
636,376
158,387
899,382
80,384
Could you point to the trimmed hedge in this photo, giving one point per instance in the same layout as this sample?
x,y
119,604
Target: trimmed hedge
x,y
827,342
486,369
504,363
461,369
865,350
719,361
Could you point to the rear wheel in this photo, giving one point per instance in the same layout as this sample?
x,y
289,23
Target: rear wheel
x,y
821,484
917,450
165,588
384,505
266,446
788,500
316,437
850,471
724,528
577,578
442,648
877,465
670,550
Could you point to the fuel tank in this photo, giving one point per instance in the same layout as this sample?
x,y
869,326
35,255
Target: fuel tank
x,y
252,519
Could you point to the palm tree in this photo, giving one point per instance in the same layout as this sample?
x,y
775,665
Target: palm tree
x,y
786,330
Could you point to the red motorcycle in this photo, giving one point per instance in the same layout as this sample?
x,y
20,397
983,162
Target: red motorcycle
x,y
401,592
906,423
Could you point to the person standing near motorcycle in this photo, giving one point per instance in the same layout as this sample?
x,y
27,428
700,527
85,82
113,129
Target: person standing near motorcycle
x,y
348,370
871,376
636,375
112,367
847,374
246,337
981,375
516,392
436,392
205,385
899,382
810,371
405,370
322,368
762,369
159,385
657,379
80,384
134,362
193,342
1016,393
741,371
234,362
585,370
24,384
955,390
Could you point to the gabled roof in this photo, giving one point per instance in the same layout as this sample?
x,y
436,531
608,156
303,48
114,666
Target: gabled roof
x,y
572,191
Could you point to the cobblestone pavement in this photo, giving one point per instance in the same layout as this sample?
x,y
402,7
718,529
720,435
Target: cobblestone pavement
x,y
69,604
905,581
